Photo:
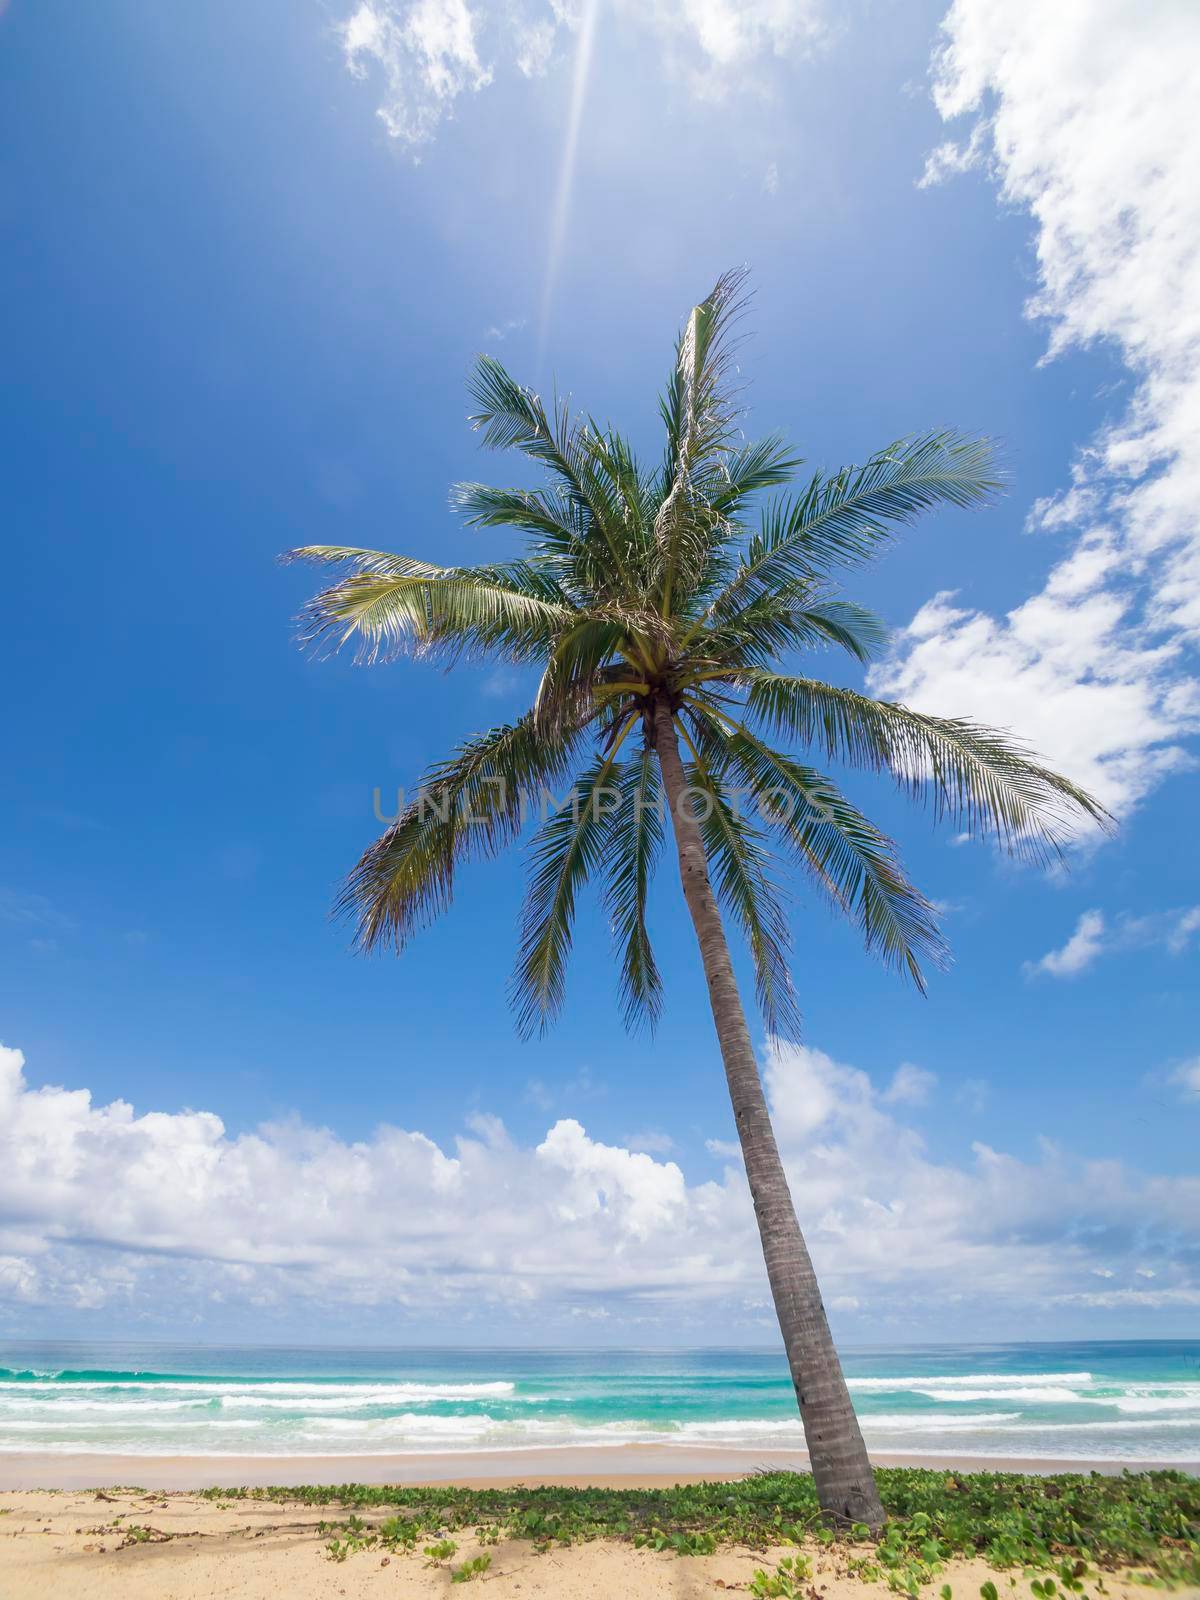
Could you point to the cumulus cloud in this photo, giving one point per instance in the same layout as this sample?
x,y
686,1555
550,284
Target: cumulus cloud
x,y
1080,950
101,1206
910,1086
426,54
1082,113
1186,1078
1095,936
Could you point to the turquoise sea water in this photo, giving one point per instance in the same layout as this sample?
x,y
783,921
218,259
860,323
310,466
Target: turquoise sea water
x,y
1127,1401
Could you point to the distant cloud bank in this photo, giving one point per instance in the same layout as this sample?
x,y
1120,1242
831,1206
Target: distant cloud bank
x,y
159,1219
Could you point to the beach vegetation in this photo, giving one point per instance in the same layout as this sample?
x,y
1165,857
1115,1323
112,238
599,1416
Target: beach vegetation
x,y
400,1532
474,1568
441,1550
789,1580
141,1533
684,1542
663,607
1066,1524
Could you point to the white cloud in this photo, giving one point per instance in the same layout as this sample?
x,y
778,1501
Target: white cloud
x,y
973,1095
533,45
1084,116
1180,929
292,1217
724,1149
651,1143
1140,1299
909,1086
1094,936
1080,950
430,52
427,54
770,181
499,331
1187,1078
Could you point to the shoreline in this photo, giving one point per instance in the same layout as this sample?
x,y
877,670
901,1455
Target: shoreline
x,y
616,1466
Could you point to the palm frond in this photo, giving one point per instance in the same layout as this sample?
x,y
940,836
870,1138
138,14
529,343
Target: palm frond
x,y
580,654
565,853
843,518
474,803
740,863
631,849
984,781
394,605
699,410
513,417
847,855
548,513
770,624
612,456
763,464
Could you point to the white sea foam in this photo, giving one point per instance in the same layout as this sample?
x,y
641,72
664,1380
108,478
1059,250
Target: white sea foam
x,y
1158,1402
82,1407
411,1393
16,1425
1047,1395
974,1380
916,1422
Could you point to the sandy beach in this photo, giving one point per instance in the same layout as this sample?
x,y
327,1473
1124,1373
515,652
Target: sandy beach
x,y
614,1467
132,1545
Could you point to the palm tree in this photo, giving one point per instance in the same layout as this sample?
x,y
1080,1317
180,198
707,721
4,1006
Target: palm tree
x,y
657,619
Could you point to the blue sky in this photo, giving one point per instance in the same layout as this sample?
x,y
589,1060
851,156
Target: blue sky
x,y
250,252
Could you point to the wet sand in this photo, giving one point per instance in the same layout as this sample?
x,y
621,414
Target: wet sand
x,y
622,1466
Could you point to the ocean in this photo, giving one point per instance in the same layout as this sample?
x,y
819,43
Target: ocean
x,y
1089,1402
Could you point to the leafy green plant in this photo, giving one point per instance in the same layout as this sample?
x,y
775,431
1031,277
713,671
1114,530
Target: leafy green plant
x,y
787,1581
473,1568
402,1532
442,1550
685,1543
141,1533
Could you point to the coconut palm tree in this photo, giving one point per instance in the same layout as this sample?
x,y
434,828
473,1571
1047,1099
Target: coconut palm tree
x,y
658,620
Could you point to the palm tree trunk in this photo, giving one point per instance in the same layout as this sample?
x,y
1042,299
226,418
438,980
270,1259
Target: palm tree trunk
x,y
841,1469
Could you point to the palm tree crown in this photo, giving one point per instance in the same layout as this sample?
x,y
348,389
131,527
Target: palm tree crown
x,y
644,587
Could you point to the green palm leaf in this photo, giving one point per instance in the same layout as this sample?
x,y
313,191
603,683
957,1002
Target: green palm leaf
x,y
843,518
983,781
740,864
699,412
472,804
855,864
565,853
393,605
771,624
513,417
631,849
